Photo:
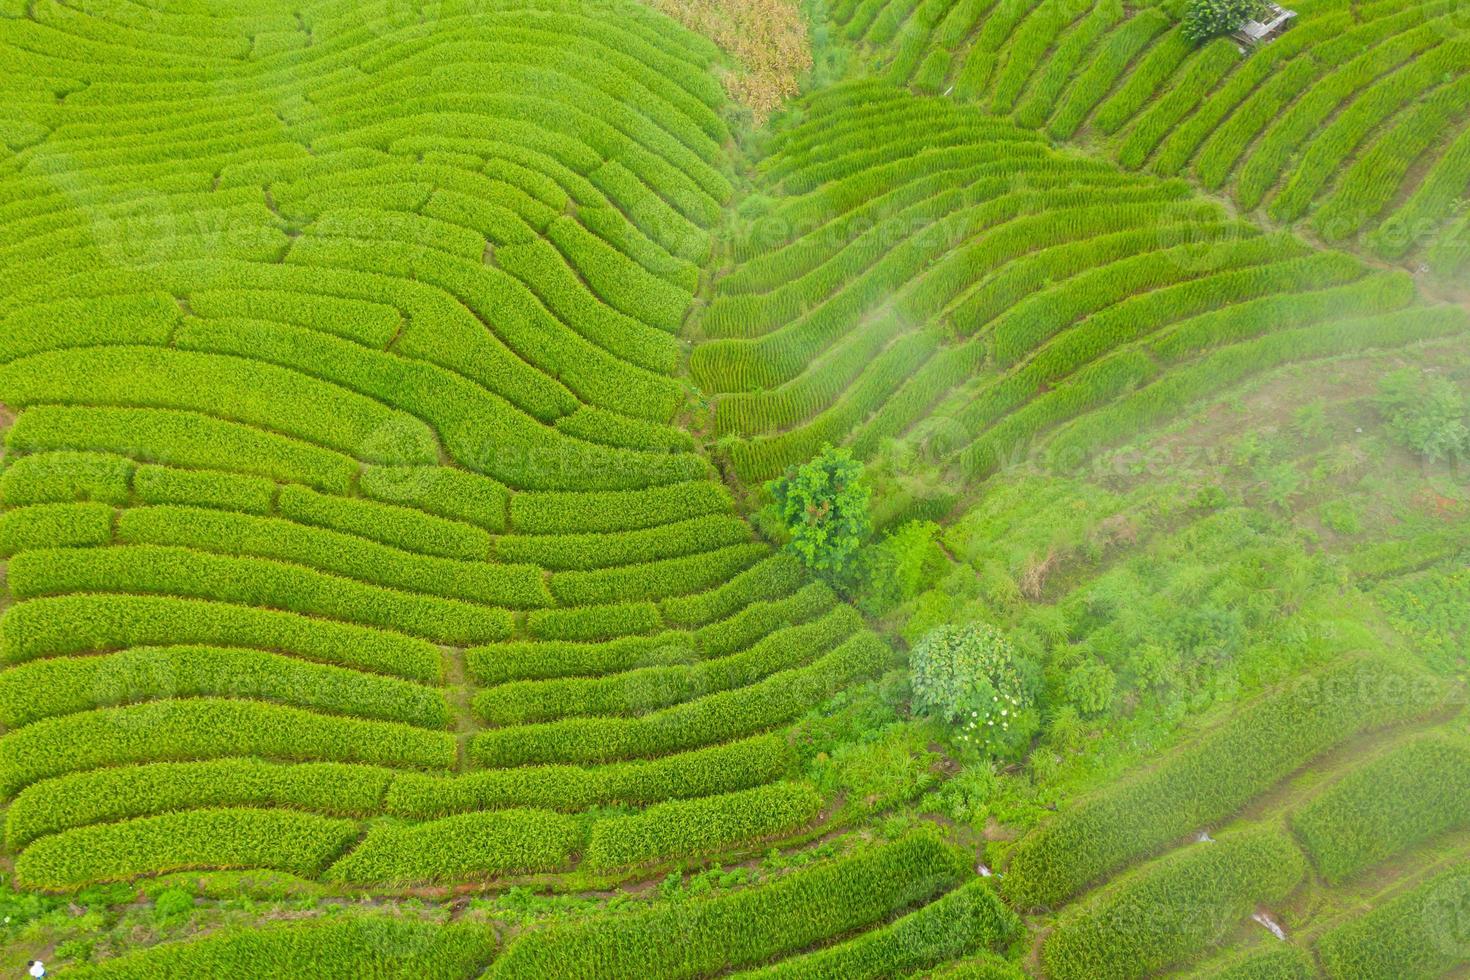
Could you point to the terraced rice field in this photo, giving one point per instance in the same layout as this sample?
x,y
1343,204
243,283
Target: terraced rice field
x,y
389,392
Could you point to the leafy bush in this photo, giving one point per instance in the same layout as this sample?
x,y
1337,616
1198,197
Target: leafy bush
x,y
1204,19
823,504
905,563
972,677
1425,413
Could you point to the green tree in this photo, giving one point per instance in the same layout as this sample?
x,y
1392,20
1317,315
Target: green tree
x,y
1425,413
972,677
1205,19
823,505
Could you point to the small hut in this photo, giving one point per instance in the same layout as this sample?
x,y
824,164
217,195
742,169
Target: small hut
x,y
1275,20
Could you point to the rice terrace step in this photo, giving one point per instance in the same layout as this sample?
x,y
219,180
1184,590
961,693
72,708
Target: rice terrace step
x,y
687,488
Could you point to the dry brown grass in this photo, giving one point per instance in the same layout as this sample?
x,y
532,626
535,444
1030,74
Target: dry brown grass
x,y
767,38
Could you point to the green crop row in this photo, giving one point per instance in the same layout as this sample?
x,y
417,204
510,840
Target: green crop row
x,y
546,659
143,318
88,623
1106,65
372,324
701,825
180,439
448,493
1413,792
1343,135
1156,66
592,370
657,579
1268,961
588,551
762,617
65,685
209,728
373,947
246,535
744,928
544,270
611,429
1417,935
1175,908
961,923
1215,775
402,527
649,688
63,477
205,488
1302,119
119,792
481,427
777,576
704,772
281,840
55,526
609,511
1046,87
1378,173
230,388
520,660
1219,369
594,622
253,582
717,718
454,848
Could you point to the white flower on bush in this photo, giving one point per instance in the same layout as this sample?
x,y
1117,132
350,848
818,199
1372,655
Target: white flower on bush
x,y
970,676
